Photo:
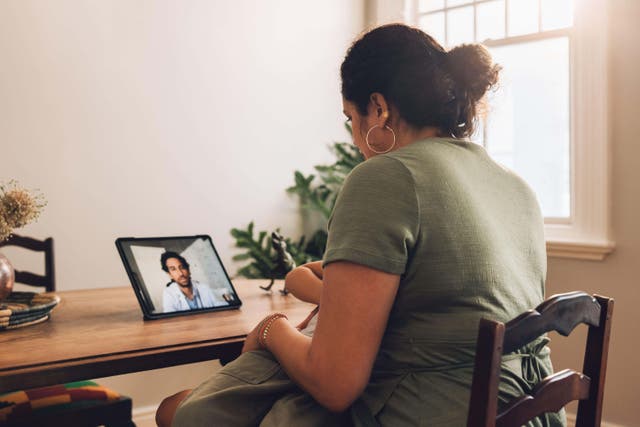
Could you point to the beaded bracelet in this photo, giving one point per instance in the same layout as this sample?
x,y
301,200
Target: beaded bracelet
x,y
266,325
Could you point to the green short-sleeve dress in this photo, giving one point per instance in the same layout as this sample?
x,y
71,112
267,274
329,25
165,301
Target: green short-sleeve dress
x,y
466,237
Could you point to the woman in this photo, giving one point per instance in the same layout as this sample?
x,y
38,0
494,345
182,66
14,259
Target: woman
x,y
428,235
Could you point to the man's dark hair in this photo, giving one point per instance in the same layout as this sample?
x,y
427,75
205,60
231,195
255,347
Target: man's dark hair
x,y
169,254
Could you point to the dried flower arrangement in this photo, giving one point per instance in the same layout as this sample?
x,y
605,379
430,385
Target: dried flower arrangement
x,y
18,207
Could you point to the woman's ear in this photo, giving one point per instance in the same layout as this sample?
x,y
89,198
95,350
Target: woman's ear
x,y
378,109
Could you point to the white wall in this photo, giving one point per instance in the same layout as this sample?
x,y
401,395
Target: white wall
x,y
379,12
157,117
150,118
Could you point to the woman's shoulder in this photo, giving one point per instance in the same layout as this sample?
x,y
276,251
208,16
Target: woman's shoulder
x,y
379,168
379,162
437,149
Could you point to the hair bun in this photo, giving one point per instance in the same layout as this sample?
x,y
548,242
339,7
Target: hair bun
x,y
472,69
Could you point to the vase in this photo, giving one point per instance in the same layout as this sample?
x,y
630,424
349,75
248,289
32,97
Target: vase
x,y
7,277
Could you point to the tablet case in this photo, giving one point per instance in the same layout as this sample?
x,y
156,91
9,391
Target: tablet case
x,y
142,293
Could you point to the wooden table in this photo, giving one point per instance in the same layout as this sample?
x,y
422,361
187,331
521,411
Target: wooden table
x,y
100,332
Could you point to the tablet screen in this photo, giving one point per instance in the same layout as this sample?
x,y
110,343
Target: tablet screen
x,y
177,275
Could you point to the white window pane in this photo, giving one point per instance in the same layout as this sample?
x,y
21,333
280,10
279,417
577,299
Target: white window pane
x,y
557,14
433,24
460,26
528,126
458,2
523,17
490,19
429,5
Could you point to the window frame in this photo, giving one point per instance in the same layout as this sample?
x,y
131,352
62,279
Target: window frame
x,y
586,234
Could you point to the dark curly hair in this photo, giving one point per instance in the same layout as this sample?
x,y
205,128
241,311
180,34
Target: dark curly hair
x,y
168,254
426,84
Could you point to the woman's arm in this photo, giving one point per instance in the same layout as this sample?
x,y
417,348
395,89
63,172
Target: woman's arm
x,y
305,282
335,365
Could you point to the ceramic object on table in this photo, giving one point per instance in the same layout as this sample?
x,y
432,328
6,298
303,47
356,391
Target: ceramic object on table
x,y
7,277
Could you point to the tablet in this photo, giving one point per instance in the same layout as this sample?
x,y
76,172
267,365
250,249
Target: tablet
x,y
174,276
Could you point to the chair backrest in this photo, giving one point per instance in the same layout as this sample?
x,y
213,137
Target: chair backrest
x,y
561,313
46,281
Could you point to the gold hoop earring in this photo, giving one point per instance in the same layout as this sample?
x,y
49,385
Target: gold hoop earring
x,y
366,139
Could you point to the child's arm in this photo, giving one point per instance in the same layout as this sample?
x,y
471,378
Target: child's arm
x,y
316,267
305,282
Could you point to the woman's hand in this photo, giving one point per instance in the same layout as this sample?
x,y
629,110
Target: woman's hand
x,y
335,365
251,343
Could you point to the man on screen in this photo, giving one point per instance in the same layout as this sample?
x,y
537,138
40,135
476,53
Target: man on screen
x,y
182,293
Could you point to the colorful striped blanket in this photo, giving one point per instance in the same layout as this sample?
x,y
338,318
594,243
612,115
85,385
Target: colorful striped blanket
x,y
19,403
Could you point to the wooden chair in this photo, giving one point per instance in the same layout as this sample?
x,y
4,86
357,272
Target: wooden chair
x,y
111,413
46,281
561,313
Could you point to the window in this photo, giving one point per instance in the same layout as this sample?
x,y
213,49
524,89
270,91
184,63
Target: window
x,y
548,119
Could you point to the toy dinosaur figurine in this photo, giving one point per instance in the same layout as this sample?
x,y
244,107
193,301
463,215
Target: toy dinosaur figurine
x,y
284,261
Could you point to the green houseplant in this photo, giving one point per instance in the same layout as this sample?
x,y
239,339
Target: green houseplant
x,y
316,192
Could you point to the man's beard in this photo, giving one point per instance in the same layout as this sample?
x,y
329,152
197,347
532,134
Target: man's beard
x,y
188,285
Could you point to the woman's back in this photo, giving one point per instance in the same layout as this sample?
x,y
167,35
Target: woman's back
x,y
474,246
480,248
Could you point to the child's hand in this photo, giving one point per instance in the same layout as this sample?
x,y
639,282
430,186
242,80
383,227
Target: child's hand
x,y
305,282
306,321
